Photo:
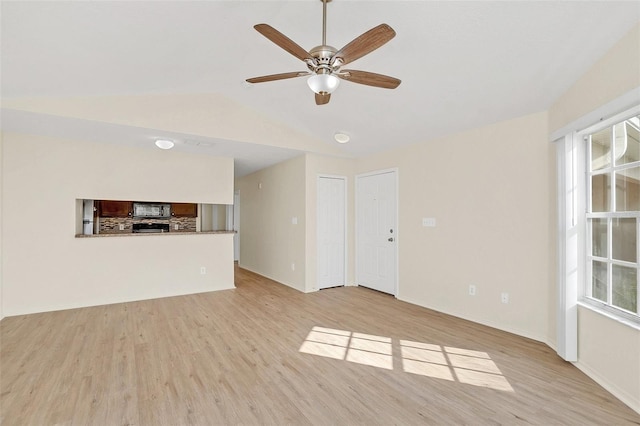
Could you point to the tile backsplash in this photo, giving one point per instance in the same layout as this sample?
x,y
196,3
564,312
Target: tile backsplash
x,y
111,225
185,224
124,225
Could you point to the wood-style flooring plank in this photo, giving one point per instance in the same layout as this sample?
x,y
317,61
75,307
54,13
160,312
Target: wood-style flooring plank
x,y
265,354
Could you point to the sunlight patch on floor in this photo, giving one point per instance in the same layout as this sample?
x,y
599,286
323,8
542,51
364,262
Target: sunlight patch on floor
x,y
360,348
370,350
446,363
454,364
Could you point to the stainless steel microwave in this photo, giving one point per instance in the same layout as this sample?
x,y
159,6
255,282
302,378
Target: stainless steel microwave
x,y
152,210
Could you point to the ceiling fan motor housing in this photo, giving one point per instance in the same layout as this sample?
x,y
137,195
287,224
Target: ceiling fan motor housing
x,y
322,55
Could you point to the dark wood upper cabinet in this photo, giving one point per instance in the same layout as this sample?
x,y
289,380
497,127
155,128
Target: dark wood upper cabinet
x,y
115,208
184,210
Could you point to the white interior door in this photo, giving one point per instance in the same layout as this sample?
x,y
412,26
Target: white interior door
x,y
331,229
376,231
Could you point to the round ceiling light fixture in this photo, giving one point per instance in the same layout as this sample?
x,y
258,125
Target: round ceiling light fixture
x,y
341,137
164,144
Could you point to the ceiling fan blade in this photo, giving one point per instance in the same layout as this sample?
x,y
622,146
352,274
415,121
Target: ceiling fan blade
x,y
283,41
322,99
369,78
274,77
366,43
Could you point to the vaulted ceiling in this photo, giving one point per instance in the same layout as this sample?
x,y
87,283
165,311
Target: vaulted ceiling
x,y
129,72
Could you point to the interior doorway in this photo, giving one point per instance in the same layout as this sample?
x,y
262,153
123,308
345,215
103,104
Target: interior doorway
x,y
331,231
377,231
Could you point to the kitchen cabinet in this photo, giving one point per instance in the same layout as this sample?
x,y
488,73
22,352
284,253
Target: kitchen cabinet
x,y
115,208
184,210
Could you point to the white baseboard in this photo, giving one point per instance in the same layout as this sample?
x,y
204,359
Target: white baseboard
x,y
488,323
623,396
262,274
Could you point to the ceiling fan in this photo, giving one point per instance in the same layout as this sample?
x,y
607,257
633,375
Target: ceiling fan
x,y
325,62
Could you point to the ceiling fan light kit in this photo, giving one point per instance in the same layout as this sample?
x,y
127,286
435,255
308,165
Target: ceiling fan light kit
x,y
323,84
324,62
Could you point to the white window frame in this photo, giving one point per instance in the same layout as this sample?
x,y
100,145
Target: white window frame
x,y
572,224
581,140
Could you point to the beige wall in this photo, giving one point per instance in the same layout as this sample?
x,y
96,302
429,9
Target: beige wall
x,y
205,214
220,216
615,74
1,239
269,242
488,189
213,217
607,350
46,268
609,353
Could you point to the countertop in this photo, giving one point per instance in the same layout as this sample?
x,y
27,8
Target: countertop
x,y
148,234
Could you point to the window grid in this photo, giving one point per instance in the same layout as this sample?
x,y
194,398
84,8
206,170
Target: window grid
x,y
610,214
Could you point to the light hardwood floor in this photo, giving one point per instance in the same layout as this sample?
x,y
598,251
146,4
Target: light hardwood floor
x,y
266,354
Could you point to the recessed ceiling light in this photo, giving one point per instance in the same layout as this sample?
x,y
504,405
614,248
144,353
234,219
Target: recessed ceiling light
x,y
164,144
341,137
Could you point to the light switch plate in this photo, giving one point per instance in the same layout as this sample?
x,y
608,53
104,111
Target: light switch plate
x,y
429,221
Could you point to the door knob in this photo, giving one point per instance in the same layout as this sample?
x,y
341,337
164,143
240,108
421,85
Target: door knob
x,y
390,239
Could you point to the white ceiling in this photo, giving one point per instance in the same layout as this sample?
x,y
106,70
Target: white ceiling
x,y
462,64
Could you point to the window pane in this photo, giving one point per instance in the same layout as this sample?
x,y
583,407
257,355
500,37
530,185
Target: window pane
x,y
613,216
600,193
599,237
601,149
628,190
625,288
599,281
624,239
627,142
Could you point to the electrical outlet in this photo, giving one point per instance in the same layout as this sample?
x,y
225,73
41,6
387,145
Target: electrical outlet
x,y
472,290
121,226
294,220
293,266
504,297
203,270
176,226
